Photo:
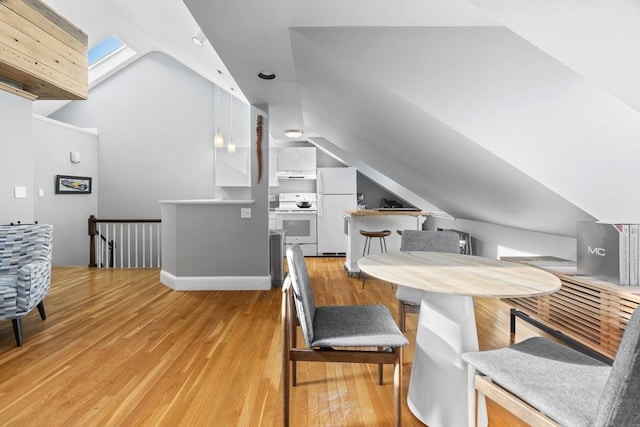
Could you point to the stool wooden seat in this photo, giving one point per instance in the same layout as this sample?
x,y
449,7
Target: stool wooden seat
x,y
369,235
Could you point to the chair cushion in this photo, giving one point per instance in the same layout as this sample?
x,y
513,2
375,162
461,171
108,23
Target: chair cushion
x,y
619,402
561,382
409,295
356,326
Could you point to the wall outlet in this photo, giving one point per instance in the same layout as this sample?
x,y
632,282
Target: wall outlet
x,y
245,212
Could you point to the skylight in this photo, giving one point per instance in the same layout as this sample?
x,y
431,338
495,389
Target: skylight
x,y
106,58
104,49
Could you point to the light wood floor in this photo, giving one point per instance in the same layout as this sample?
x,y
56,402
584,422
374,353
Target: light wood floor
x,y
118,348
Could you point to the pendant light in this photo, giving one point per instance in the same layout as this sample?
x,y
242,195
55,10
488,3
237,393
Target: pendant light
x,y
231,148
218,139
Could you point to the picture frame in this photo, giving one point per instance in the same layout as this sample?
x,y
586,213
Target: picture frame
x,y
69,184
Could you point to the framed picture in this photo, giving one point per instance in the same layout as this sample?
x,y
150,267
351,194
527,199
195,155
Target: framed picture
x,y
67,184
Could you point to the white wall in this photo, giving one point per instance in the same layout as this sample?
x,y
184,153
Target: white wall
x,y
32,152
16,158
156,122
495,241
67,212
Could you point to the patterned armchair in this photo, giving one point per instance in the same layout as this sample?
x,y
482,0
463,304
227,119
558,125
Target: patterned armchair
x,y
25,271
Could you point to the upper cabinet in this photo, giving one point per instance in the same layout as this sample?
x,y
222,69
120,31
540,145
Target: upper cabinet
x,y
42,55
296,162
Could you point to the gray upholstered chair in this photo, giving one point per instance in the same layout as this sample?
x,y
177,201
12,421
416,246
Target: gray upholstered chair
x,y
25,271
409,299
548,384
348,333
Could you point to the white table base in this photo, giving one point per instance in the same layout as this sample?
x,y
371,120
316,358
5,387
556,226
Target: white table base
x,y
440,388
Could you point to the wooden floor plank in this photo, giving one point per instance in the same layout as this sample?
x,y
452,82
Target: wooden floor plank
x,y
118,348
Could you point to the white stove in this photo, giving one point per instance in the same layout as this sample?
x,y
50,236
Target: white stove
x,y
299,222
295,202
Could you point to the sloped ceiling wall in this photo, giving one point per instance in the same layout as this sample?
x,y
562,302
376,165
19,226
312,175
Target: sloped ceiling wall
x,y
599,39
411,146
496,131
516,113
457,106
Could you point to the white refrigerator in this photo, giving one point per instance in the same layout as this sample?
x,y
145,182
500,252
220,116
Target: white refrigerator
x,y
336,189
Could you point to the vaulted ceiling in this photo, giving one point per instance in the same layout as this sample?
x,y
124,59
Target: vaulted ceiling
x,y
524,114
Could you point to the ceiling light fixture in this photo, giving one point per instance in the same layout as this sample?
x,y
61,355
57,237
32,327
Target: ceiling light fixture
x,y
293,133
199,38
266,75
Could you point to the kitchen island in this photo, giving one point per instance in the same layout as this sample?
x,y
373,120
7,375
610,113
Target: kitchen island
x,y
373,220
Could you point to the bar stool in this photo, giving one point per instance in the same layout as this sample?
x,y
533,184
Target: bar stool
x,y
369,235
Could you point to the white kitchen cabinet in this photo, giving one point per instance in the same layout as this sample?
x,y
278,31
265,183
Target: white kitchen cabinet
x,y
296,159
273,167
233,169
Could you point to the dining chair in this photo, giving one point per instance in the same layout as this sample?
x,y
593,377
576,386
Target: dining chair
x,y
409,299
25,271
545,383
347,333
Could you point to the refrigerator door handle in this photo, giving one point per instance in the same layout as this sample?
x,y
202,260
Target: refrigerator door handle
x,y
319,204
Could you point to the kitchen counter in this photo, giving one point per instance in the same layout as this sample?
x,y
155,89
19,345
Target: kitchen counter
x,y
207,202
374,212
370,219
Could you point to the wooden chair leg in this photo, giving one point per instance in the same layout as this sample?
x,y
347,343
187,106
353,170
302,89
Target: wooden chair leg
x,y
17,330
380,370
40,306
402,316
294,366
397,385
285,392
286,346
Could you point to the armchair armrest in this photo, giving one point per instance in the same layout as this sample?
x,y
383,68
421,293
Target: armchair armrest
x,y
33,283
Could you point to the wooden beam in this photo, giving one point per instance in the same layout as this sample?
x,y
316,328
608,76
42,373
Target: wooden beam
x,y
17,91
43,51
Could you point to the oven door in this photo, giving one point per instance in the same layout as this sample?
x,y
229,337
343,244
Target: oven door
x,y
300,226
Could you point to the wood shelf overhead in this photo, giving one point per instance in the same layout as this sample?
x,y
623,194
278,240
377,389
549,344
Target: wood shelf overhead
x,y
41,52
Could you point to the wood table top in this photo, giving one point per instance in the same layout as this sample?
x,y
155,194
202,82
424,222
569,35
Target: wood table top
x,y
459,274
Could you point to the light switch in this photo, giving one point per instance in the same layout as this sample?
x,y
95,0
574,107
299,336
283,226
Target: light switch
x,y
41,192
245,212
20,192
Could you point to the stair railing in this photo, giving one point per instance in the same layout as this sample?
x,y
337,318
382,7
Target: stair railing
x,y
124,243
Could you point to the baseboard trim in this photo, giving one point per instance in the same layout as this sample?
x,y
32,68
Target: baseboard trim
x,y
215,283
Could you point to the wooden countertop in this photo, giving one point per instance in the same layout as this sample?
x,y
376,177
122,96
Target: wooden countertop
x,y
372,212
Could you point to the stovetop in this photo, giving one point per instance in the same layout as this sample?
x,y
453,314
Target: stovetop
x,y
288,202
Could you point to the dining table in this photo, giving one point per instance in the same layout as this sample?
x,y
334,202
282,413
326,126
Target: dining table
x,y
441,389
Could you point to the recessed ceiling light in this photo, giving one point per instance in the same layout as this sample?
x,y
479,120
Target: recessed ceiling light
x,y
199,38
266,75
293,133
